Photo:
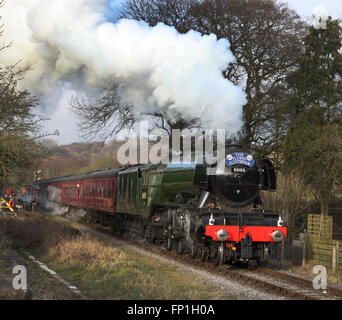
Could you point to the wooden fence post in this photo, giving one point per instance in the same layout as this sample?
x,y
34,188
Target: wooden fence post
x,y
304,255
337,255
334,260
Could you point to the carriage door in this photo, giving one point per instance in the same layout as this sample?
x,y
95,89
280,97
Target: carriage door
x,y
144,192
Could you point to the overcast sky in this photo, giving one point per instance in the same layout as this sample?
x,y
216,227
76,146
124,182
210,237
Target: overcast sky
x,y
305,7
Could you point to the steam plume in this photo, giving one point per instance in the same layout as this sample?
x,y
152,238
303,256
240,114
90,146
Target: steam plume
x,y
158,69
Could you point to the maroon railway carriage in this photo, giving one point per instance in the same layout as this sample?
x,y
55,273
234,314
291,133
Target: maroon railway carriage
x,y
98,191
62,190
95,190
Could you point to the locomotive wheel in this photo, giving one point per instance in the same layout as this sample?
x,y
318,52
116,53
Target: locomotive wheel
x,y
233,259
180,247
169,244
192,252
261,261
220,256
204,254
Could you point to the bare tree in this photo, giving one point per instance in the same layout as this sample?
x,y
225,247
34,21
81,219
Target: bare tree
x,y
265,37
102,117
292,200
176,13
19,125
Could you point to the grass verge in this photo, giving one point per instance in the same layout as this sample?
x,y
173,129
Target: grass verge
x,y
333,277
101,270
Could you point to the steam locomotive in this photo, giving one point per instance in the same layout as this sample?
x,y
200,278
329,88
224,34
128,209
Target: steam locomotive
x,y
217,216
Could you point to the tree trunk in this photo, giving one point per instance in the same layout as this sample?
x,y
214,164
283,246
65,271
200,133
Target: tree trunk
x,y
324,205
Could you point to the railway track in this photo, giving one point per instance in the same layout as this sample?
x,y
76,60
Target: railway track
x,y
268,280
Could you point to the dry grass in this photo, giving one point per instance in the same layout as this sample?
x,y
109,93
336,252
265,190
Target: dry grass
x,y
35,231
103,271
85,249
13,295
333,277
3,237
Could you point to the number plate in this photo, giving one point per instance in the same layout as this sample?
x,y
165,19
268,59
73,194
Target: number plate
x,y
239,170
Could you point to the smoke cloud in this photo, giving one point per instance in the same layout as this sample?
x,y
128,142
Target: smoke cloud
x,y
157,68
